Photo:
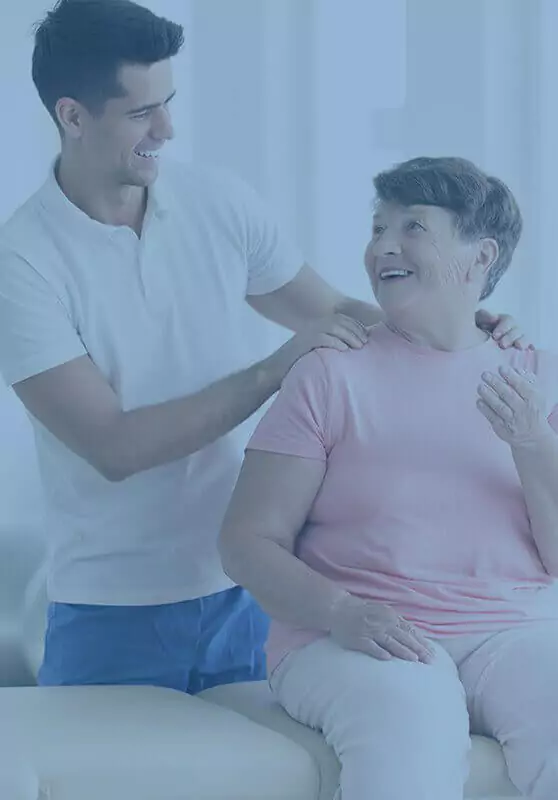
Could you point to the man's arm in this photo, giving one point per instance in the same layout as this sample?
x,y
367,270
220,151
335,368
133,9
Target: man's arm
x,y
308,297
78,406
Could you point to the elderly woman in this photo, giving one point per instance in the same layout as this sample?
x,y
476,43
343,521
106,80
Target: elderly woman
x,y
397,512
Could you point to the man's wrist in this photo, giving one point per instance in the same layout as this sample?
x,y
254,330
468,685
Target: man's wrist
x,y
365,313
272,370
279,363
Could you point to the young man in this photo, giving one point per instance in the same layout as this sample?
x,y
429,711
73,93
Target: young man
x,y
121,295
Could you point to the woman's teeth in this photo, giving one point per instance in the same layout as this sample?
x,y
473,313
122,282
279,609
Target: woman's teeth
x,y
395,273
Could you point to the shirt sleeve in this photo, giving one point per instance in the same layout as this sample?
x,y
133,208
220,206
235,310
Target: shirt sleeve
x,y
272,259
36,333
296,423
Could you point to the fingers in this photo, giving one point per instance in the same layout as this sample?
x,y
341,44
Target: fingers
x,y
349,331
509,337
522,383
371,648
500,395
422,640
412,641
332,342
504,330
490,398
399,641
522,343
495,420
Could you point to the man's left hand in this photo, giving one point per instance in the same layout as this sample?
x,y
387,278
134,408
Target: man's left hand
x,y
503,328
515,407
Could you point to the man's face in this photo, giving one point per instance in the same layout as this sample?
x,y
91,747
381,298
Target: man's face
x,y
123,144
416,256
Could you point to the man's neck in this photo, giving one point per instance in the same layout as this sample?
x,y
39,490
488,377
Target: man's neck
x,y
124,205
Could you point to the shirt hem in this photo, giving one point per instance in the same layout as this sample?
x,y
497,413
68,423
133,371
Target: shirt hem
x,y
31,368
160,598
270,281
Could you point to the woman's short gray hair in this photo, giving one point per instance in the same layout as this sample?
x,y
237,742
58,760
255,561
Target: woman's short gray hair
x,y
482,206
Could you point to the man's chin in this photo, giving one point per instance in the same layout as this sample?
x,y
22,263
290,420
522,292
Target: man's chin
x,y
142,180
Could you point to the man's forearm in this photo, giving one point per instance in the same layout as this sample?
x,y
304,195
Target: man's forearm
x,y
154,435
537,466
365,313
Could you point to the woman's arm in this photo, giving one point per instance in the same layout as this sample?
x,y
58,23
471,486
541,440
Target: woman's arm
x,y
537,466
269,507
518,411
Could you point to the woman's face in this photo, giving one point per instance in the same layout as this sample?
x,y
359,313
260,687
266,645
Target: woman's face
x,y
417,257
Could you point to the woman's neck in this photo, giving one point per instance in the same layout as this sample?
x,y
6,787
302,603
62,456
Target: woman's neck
x,y
455,335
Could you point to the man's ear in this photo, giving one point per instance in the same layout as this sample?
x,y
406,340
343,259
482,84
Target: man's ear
x,y
70,116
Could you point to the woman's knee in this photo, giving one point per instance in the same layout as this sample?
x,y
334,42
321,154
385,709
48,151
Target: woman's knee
x,y
339,691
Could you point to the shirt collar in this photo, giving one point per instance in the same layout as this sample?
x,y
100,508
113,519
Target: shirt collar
x,y
56,202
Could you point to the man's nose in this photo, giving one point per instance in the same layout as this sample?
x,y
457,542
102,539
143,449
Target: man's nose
x,y
162,128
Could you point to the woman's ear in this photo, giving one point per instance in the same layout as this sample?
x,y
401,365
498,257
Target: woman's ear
x,y
486,255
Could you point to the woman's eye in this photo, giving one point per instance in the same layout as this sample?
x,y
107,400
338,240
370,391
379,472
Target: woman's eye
x,y
377,230
416,226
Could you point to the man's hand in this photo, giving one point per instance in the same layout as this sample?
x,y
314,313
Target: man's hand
x,y
338,332
375,629
503,328
515,407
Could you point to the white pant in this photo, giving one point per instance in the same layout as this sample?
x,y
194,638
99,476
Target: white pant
x,y
401,729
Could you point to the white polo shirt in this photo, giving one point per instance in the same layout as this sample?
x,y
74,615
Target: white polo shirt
x,y
162,317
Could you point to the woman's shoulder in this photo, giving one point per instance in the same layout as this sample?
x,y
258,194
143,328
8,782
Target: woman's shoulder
x,y
339,362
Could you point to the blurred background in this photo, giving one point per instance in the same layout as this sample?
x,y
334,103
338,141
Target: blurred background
x,y
307,100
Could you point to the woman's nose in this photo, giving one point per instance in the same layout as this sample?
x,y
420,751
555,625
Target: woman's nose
x,y
386,245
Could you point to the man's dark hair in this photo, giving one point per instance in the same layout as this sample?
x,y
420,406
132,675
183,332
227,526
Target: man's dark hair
x,y
81,45
482,206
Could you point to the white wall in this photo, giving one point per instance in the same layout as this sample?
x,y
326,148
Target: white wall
x,y
307,100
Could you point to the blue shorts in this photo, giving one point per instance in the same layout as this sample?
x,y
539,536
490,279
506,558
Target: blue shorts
x,y
189,646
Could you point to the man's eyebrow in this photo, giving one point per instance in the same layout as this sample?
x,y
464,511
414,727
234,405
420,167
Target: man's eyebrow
x,y
150,107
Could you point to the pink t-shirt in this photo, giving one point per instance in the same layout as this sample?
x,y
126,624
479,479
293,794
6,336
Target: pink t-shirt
x,y
421,506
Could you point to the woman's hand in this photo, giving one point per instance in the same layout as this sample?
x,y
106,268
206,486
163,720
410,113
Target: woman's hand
x,y
375,629
515,407
503,328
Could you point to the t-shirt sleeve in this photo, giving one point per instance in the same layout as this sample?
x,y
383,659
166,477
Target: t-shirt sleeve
x,y
36,333
272,259
296,423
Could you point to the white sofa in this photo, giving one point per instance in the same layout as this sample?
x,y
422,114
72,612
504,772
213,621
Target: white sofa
x,y
143,743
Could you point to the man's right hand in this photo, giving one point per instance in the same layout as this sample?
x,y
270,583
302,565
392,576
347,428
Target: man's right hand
x,y
375,629
338,332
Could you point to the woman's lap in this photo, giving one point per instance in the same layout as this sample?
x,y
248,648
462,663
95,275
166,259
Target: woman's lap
x,y
363,705
508,682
